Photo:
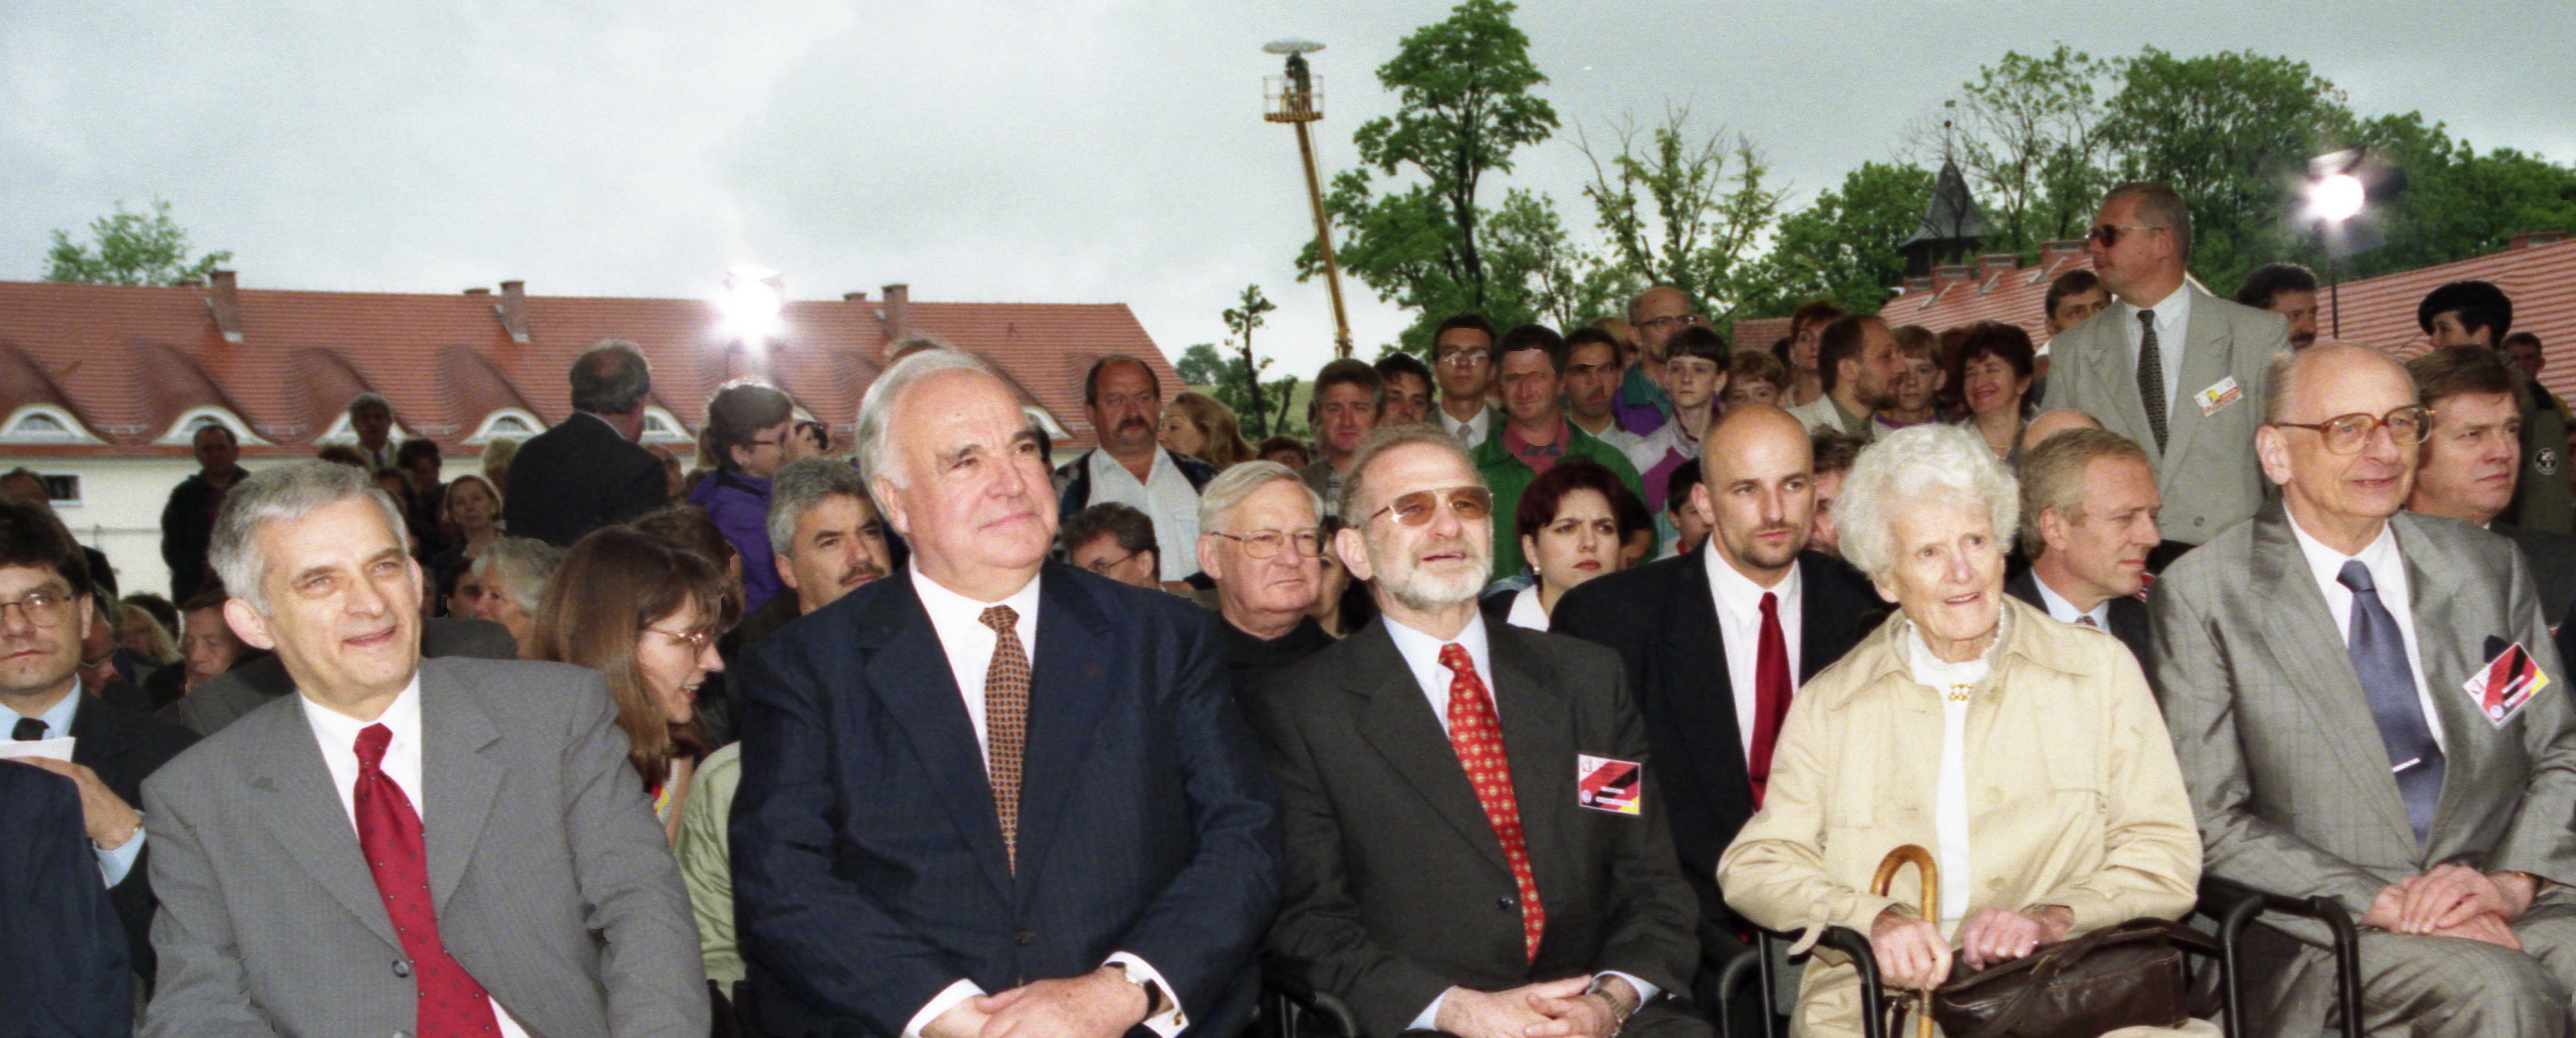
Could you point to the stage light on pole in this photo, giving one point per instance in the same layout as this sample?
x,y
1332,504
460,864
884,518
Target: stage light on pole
x,y
752,301
2342,186
2337,197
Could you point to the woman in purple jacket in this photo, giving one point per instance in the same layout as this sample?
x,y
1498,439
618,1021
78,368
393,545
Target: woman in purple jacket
x,y
745,439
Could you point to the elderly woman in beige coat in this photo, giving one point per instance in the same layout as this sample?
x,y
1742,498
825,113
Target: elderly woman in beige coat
x,y
2025,753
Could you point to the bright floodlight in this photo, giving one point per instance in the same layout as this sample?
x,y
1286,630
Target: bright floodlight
x,y
751,302
2336,198
1291,45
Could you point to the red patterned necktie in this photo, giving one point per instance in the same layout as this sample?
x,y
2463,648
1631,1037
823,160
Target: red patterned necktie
x,y
1006,722
1770,696
452,1005
1478,739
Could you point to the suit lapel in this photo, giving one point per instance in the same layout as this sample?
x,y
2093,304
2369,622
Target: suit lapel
x,y
459,781
1068,695
293,795
2204,362
1702,706
908,671
1400,727
2447,630
2313,660
1538,740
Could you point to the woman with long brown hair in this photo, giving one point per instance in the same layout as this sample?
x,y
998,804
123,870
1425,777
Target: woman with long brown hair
x,y
1202,427
646,614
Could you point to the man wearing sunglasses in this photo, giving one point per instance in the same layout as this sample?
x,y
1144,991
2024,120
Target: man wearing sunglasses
x,y
1472,839
2178,371
2367,707
1259,540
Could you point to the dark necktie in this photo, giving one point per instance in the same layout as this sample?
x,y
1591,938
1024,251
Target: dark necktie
x,y
2087,620
452,1004
1770,696
1476,735
1006,722
29,729
2151,376
2378,652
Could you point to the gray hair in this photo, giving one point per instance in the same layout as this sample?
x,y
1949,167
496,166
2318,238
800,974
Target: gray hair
x,y
611,377
2287,371
2160,206
1913,467
800,486
1238,483
1380,440
283,493
2052,476
361,403
876,410
518,567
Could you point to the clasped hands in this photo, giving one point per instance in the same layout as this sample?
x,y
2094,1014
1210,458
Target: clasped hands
x,y
1099,1004
2454,901
1912,956
1554,1009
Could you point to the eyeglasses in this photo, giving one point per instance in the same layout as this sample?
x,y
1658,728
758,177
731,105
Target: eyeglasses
x,y
2108,234
1466,358
42,608
1263,544
1675,321
2344,434
1469,504
697,640
1103,566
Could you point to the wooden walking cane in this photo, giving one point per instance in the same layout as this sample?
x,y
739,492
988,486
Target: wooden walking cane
x,y
1929,872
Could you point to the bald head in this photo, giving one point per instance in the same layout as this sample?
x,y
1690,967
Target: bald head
x,y
1759,494
2339,487
2051,423
2302,378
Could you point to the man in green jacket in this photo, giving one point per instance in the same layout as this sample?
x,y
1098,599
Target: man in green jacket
x,y
1535,435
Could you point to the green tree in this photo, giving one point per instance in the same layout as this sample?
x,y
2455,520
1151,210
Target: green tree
x,y
1843,245
1463,86
2028,133
2457,202
130,248
1683,209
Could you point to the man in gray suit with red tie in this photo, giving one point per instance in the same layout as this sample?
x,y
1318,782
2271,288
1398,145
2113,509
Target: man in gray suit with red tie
x,y
447,848
994,795
2367,706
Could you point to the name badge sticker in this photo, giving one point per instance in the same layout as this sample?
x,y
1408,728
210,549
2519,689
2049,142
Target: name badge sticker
x,y
1607,784
2506,684
2219,394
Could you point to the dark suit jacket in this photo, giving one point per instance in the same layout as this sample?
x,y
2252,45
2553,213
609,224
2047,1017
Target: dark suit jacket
x,y
577,477
553,885
224,698
2553,567
2128,614
63,971
1662,620
125,747
868,866
1397,887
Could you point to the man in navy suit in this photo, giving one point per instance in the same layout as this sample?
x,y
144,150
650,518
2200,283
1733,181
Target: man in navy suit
x,y
63,968
587,472
994,796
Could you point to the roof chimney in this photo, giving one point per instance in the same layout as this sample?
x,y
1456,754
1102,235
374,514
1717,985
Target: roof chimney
x,y
2529,239
854,297
2065,247
224,302
1917,285
513,309
478,290
898,312
1947,275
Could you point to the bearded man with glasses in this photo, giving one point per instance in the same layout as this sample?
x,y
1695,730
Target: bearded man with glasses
x,y
1472,842
2367,707
2176,370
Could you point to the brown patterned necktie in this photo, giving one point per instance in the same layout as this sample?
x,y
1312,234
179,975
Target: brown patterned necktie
x,y
1006,722
2087,620
2151,376
1477,737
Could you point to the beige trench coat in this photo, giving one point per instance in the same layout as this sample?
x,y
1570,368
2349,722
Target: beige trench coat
x,y
2074,796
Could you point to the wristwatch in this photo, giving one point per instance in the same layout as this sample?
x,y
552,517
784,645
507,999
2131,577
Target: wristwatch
x,y
1156,999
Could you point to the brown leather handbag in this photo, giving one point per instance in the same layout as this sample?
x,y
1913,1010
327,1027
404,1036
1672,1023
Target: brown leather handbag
x,y
2127,975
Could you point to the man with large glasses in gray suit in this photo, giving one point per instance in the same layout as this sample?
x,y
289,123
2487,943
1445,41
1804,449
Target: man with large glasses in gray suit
x,y
2367,705
445,848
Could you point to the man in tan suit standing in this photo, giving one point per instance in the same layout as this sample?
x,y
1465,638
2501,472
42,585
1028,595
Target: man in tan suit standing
x,y
2175,369
2367,705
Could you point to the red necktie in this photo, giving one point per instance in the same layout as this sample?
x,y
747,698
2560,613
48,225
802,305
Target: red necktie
x,y
1478,739
1770,696
452,1005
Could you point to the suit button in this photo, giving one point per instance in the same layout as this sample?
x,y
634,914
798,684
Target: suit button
x,y
1023,937
1506,903
401,968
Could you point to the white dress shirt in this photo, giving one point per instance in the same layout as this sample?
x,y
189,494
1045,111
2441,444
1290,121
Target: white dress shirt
x,y
2064,611
1953,682
1527,610
1474,430
1739,626
968,644
1165,496
2173,325
113,865
337,734
2388,575
1421,654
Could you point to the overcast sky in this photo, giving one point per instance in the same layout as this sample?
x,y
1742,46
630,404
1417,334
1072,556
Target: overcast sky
x,y
1072,151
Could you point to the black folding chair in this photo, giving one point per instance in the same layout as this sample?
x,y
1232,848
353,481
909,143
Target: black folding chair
x,y
2236,905
1288,1007
1755,962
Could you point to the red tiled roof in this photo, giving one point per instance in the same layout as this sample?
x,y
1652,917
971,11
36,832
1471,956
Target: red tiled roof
x,y
2540,279
128,361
